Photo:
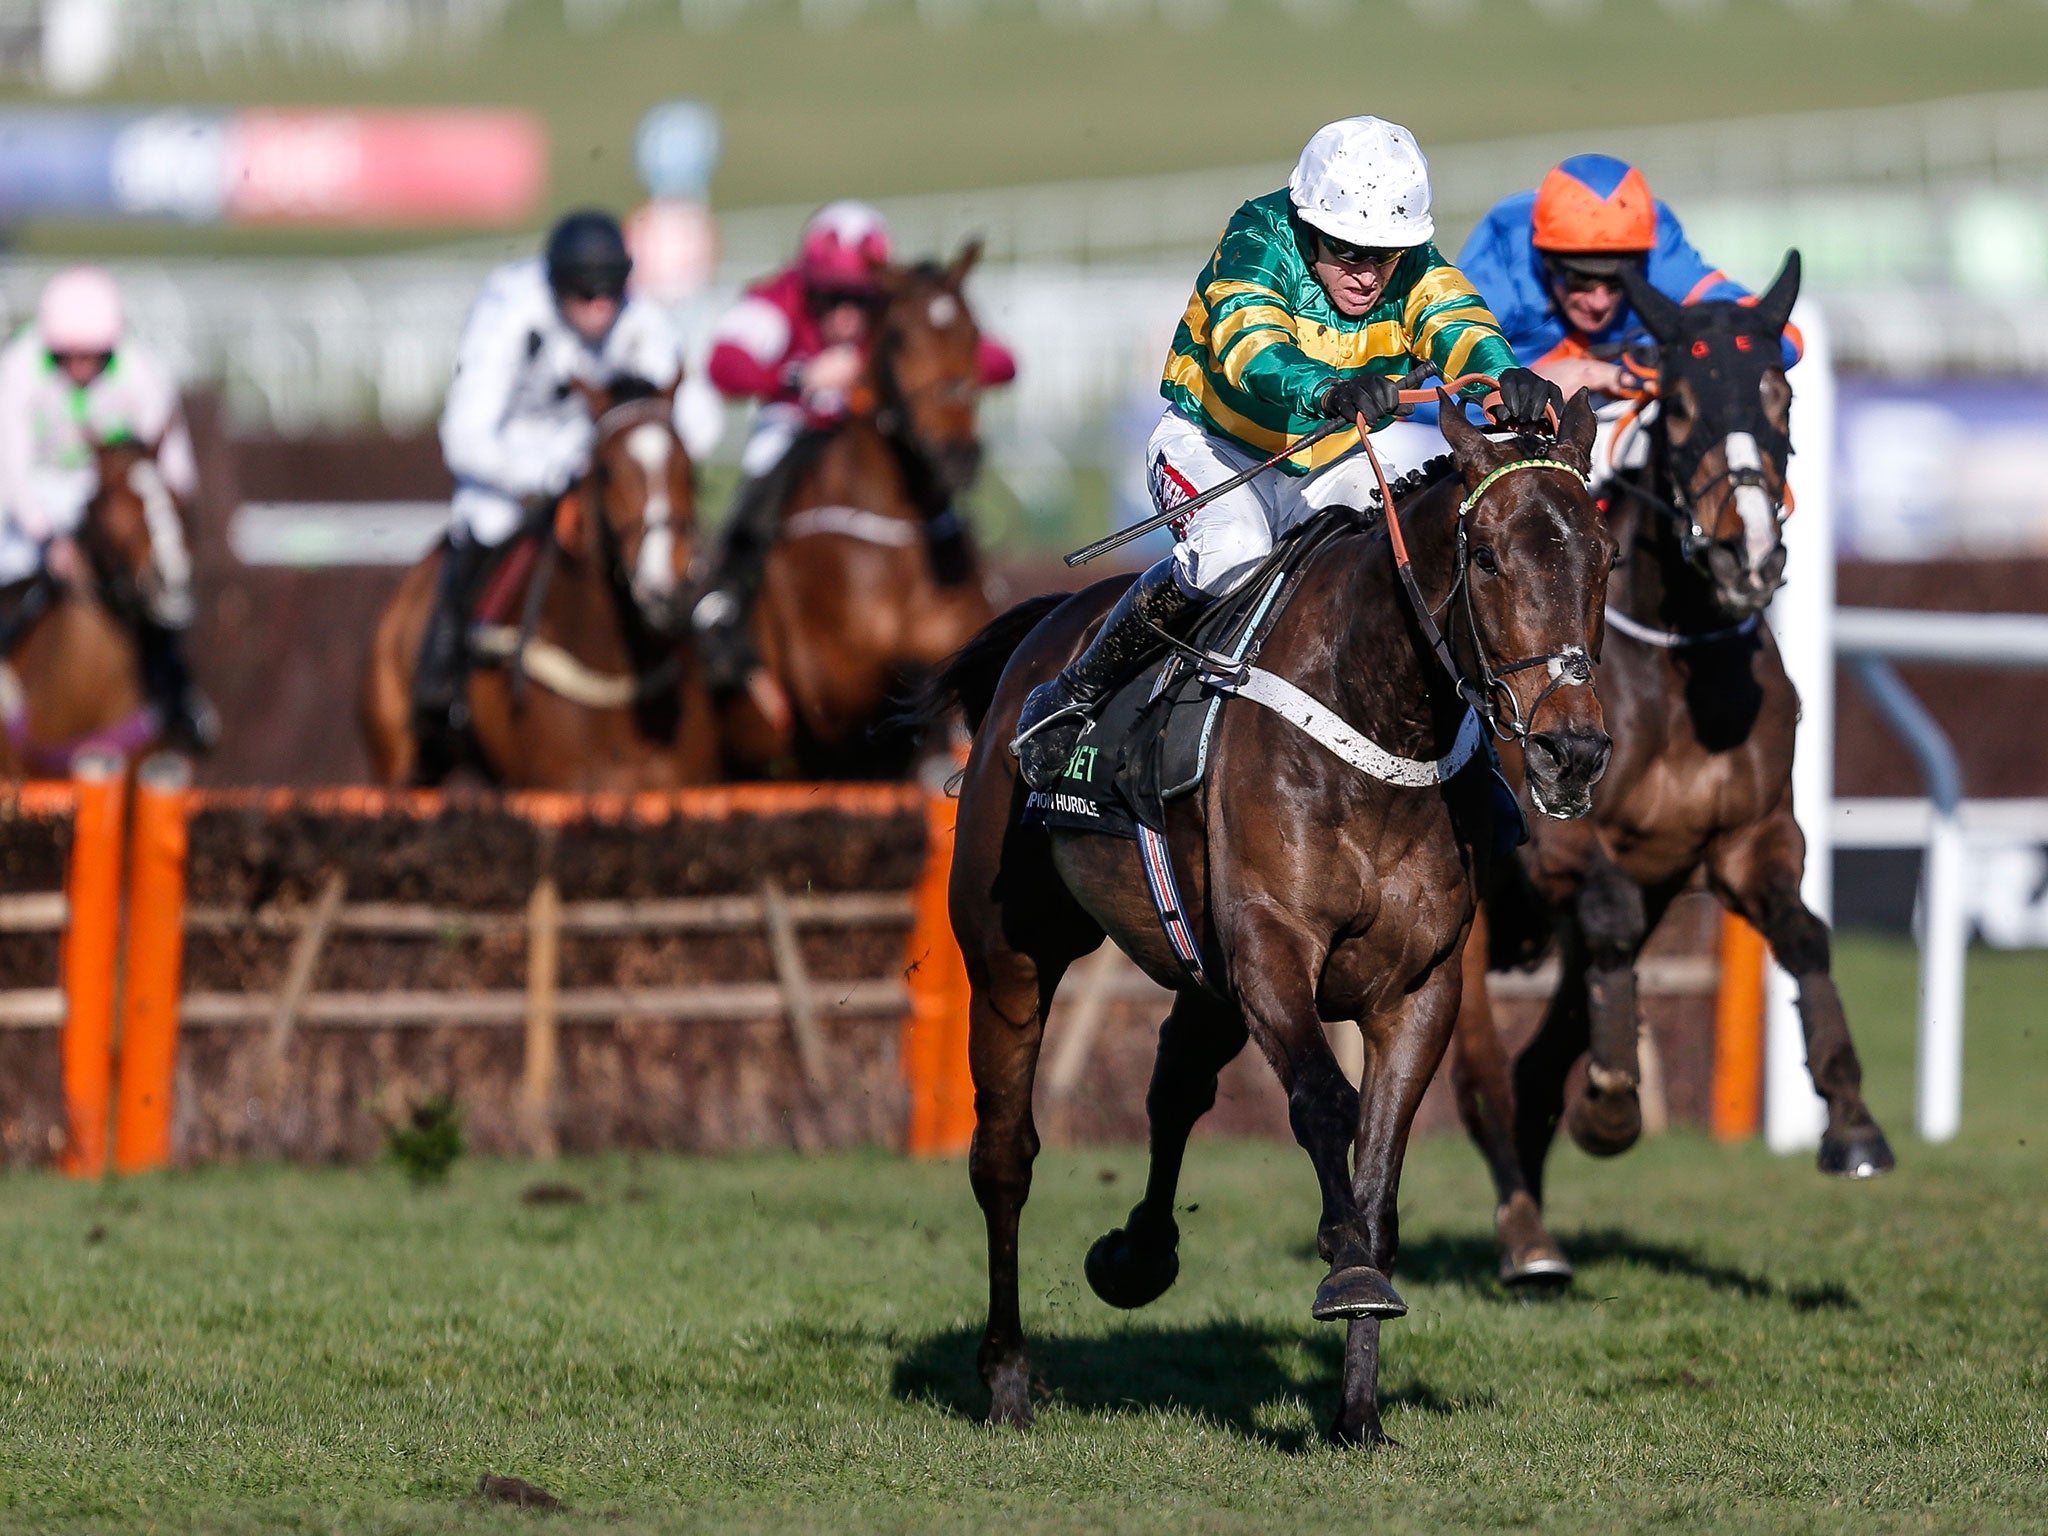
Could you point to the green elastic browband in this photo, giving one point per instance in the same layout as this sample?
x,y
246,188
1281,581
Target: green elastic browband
x,y
1481,488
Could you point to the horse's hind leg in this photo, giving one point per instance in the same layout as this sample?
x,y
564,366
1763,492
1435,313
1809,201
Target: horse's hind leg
x,y
1402,1050
1529,1255
1135,1263
1756,873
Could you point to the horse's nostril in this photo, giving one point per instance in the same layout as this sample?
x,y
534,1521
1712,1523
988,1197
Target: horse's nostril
x,y
1580,756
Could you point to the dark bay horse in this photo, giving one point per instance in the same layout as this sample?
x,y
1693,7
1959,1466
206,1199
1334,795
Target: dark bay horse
x,y
855,604
1317,892
599,693
1702,717
72,680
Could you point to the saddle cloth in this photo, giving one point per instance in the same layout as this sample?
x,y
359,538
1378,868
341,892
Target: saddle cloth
x,y
1148,744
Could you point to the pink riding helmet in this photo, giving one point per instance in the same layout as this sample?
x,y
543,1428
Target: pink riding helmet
x,y
845,244
80,312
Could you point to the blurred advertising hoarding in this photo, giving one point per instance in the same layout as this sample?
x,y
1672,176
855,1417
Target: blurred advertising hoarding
x,y
1942,468
448,169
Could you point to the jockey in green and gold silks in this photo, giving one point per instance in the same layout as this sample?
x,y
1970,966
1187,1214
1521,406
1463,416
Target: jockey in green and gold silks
x,y
1262,341
1319,298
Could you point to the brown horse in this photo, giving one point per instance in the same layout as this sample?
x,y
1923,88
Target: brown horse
x,y
1702,717
854,606
1318,890
73,679
585,686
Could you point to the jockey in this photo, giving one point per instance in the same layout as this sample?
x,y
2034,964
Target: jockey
x,y
514,432
72,380
1320,297
1550,264
797,342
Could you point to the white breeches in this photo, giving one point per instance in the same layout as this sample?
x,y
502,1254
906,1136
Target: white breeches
x,y
1227,538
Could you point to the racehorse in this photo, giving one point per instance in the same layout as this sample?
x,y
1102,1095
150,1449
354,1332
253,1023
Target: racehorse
x,y
1702,717
1316,892
872,583
581,681
72,681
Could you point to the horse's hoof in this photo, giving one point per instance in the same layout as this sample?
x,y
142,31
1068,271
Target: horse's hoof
x,y
1358,1291
1531,1261
1009,1396
1861,1154
1365,1437
1606,1124
1128,1272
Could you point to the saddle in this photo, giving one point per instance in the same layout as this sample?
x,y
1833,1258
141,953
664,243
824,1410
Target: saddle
x,y
1148,744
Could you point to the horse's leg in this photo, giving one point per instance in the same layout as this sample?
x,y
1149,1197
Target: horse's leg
x,y
1403,1047
1135,1263
1756,871
1614,922
1546,1061
1486,1105
1279,967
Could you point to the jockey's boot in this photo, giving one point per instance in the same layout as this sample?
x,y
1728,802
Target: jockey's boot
x,y
186,716
1050,724
440,693
725,646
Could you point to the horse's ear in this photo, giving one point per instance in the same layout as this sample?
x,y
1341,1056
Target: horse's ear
x,y
1665,317
1575,432
963,263
1775,307
1477,455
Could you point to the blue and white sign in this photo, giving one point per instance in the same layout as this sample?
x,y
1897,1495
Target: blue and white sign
x,y
676,149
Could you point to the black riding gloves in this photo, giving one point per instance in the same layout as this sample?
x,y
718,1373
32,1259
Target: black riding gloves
x,y
1367,394
1525,395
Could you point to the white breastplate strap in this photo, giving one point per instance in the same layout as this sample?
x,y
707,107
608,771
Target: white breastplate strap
x,y
1670,640
1305,713
854,523
554,668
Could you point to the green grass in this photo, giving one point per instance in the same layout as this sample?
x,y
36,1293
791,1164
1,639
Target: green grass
x,y
890,104
767,1342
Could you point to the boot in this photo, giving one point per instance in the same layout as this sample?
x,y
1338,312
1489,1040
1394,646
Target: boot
x,y
1049,726
186,716
725,642
440,691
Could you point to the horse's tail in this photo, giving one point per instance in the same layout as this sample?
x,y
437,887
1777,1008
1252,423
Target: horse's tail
x,y
971,673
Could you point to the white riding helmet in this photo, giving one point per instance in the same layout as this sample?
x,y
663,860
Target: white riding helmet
x,y
80,311
1364,181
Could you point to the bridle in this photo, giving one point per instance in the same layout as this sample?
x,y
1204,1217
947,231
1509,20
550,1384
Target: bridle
x,y
655,656
895,419
1569,666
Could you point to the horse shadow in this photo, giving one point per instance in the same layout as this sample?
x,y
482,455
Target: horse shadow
x,y
1467,1260
1223,1372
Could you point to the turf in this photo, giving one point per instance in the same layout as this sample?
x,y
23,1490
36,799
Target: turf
x,y
770,1343
1029,90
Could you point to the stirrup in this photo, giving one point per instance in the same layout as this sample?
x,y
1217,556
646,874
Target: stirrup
x,y
1078,707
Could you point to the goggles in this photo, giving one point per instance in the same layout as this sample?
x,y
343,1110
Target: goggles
x,y
1346,254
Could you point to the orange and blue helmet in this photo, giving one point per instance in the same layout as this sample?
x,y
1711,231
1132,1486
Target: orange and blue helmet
x,y
1595,204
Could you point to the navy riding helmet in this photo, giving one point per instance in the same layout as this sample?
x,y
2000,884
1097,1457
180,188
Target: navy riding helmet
x,y
586,256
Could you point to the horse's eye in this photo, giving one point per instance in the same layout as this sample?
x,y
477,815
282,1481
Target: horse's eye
x,y
1483,557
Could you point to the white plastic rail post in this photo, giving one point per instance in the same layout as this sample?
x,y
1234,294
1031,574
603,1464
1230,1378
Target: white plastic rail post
x,y
1802,618
1944,950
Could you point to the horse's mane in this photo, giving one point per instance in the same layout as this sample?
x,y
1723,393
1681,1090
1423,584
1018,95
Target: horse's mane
x,y
625,388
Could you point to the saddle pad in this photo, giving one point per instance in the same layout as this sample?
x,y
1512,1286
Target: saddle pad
x,y
1149,742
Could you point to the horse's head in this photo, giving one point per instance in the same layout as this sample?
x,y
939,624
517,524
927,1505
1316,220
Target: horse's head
x,y
1533,561
1724,432
926,367
640,496
134,535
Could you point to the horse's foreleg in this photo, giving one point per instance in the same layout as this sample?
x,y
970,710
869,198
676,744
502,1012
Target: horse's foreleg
x,y
1278,966
1546,1061
1006,1023
1486,1105
1613,921
1757,872
1402,1049
1135,1263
